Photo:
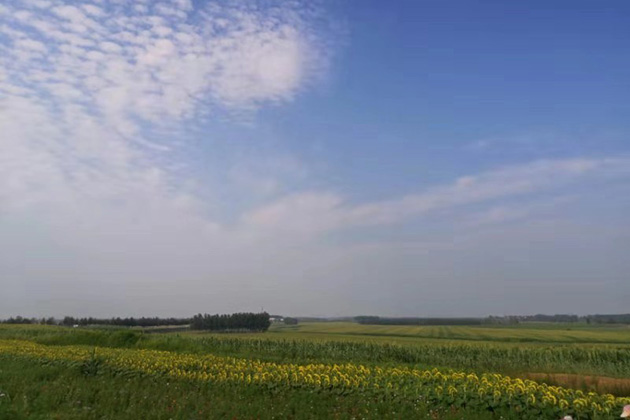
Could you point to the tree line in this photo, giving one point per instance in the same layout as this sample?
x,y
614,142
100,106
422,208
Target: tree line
x,y
290,321
377,320
125,322
244,321
564,318
22,320
506,320
260,322
233,322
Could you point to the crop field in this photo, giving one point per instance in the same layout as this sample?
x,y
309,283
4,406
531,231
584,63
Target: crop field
x,y
533,333
316,370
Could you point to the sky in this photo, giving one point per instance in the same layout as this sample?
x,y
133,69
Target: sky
x,y
314,158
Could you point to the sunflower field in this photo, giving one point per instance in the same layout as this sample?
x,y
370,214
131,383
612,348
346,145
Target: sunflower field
x,y
524,399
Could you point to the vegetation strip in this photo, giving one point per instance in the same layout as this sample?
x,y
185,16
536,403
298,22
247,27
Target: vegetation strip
x,y
437,388
497,357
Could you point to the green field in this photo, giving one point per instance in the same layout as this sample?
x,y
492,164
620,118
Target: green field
x,y
590,358
529,333
56,392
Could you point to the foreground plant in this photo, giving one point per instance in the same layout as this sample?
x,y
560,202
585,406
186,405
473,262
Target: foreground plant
x,y
487,392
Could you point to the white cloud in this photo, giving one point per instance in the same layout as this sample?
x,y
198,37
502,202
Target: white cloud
x,y
91,83
310,213
509,181
89,93
325,211
81,175
70,13
32,45
93,10
507,213
167,59
42,4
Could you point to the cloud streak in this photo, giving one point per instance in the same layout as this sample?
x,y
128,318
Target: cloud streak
x,y
314,211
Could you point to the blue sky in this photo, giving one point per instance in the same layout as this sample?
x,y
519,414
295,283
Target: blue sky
x,y
330,158
467,84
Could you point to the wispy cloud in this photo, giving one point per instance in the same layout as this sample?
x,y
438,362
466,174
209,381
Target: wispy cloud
x,y
314,211
508,213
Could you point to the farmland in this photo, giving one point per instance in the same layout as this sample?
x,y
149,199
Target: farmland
x,y
536,332
344,369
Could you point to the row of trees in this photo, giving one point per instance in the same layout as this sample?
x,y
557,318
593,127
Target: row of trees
x,y
21,320
261,321
245,321
506,320
377,320
125,322
608,319
233,322
564,318
517,319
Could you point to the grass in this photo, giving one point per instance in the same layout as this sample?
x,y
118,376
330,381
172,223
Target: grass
x,y
347,331
311,343
33,391
526,333
594,358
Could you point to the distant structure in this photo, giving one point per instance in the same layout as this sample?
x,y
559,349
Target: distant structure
x,y
276,318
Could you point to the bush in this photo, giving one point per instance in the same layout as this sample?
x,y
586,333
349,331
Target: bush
x,y
290,321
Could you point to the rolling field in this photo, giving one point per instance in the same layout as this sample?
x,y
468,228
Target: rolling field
x,y
346,370
533,333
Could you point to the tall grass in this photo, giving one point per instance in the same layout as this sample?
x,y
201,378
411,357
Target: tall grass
x,y
602,360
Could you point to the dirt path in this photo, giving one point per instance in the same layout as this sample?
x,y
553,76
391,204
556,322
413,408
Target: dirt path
x,y
600,384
